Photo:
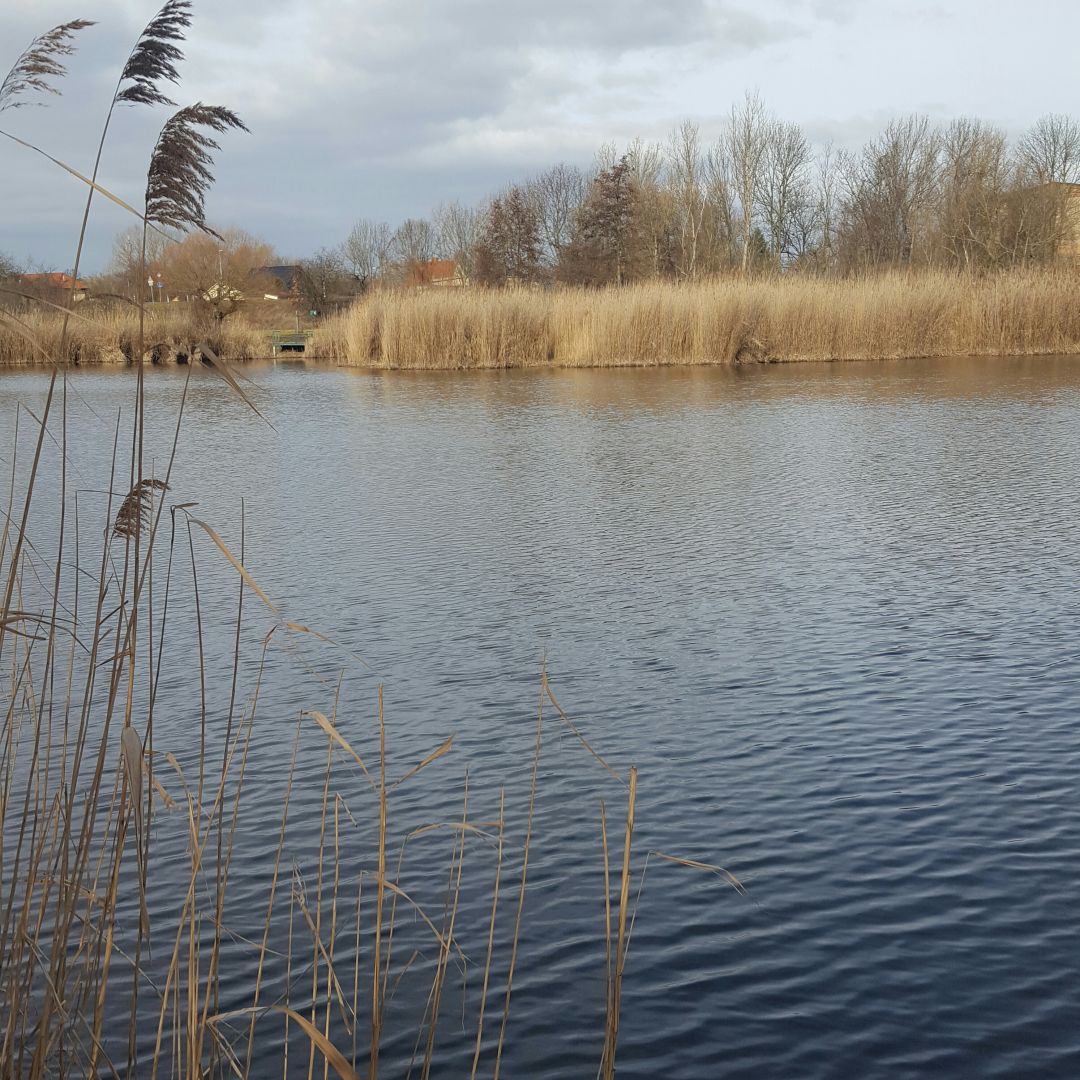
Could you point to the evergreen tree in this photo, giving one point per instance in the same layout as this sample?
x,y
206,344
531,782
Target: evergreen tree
x,y
509,249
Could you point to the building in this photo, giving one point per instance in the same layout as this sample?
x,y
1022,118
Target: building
x,y
436,273
53,286
283,282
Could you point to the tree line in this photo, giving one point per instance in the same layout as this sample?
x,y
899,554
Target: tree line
x,y
758,198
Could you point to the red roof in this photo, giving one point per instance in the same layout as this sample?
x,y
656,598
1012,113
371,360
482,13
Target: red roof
x,y
432,272
56,280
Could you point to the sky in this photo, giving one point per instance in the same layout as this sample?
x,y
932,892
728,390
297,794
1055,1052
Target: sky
x,y
383,108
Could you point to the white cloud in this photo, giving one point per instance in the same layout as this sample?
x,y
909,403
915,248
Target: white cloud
x,y
386,107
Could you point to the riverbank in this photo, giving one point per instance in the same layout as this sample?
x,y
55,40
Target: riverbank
x,y
99,335
725,321
715,322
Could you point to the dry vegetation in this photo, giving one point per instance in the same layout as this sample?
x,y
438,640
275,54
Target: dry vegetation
x,y
88,767
728,320
722,321
110,336
86,770
101,975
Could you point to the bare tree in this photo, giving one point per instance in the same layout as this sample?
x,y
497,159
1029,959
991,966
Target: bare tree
x,y
611,245
652,251
558,194
606,157
646,161
688,193
889,194
414,242
9,275
720,221
324,281
457,228
784,193
125,265
1050,151
217,272
746,141
367,250
1036,222
828,182
973,185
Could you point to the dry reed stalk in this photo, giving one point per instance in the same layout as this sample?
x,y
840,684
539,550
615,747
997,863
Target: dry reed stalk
x,y
288,980
612,1027
491,935
356,973
721,321
202,665
331,978
222,867
271,896
521,889
39,62
609,981
448,933
108,337
316,930
380,895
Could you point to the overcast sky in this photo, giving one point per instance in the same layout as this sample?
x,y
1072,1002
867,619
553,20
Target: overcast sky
x,y
383,108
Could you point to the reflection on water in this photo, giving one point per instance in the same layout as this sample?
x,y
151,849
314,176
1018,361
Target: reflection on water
x,y
829,611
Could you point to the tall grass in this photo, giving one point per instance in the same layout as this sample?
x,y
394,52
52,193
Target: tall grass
x,y
106,336
102,975
86,772
725,321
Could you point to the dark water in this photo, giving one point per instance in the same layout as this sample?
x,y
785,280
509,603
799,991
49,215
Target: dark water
x,y
830,612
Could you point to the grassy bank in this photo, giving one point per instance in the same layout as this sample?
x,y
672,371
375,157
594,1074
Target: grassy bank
x,y
108,335
714,322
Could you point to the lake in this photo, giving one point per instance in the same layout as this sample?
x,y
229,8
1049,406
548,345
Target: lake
x,y
830,612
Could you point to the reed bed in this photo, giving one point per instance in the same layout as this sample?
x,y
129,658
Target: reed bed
x,y
723,321
103,785
104,335
101,976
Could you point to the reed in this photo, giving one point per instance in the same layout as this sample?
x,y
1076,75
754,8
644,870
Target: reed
x,y
721,321
110,337
100,975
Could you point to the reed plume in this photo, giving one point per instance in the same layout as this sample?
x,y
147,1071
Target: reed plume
x,y
39,63
155,57
135,510
179,174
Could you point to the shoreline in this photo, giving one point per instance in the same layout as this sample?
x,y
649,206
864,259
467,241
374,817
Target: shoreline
x,y
717,322
330,364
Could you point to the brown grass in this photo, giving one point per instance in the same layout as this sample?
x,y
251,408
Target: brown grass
x,y
713,322
107,335
80,832
85,770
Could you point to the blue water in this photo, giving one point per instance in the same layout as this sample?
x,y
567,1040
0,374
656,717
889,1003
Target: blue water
x,y
830,612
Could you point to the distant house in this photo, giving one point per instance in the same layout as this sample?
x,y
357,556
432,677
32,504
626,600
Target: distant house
x,y
52,285
284,281
437,273
222,292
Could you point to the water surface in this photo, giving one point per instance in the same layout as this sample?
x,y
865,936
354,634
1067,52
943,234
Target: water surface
x,y
829,611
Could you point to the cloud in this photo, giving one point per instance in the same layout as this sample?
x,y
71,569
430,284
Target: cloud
x,y
339,94
383,108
